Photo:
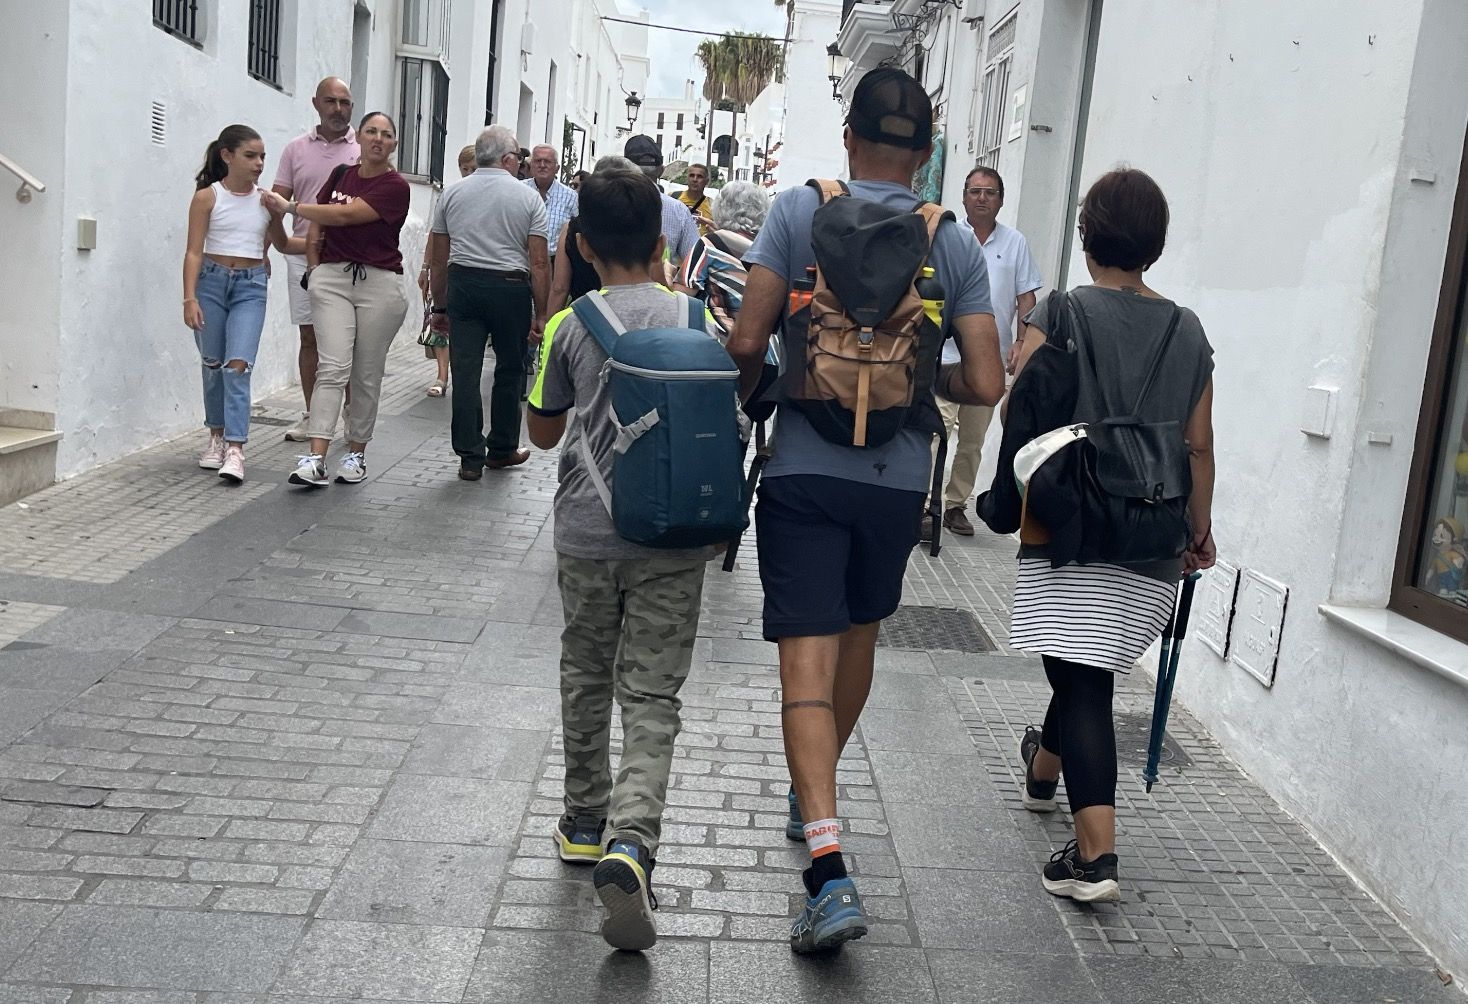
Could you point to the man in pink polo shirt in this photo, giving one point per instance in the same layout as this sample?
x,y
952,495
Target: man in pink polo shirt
x,y
305,165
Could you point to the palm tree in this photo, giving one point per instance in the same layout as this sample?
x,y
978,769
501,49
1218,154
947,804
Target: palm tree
x,y
737,69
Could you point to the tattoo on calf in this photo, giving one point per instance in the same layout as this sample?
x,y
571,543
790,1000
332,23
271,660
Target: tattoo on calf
x,y
792,705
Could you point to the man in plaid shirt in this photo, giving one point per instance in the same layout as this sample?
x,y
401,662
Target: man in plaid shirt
x,y
560,200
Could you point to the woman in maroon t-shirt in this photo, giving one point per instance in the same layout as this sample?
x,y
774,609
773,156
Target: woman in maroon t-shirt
x,y
354,275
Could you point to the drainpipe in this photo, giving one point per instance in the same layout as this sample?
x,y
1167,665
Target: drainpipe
x,y
1078,150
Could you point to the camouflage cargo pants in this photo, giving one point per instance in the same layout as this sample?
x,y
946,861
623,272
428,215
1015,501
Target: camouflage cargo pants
x,y
630,627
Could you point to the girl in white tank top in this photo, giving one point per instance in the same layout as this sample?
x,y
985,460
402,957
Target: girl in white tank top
x,y
224,280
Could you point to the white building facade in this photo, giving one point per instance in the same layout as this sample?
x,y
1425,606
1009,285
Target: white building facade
x,y
673,124
1312,154
95,361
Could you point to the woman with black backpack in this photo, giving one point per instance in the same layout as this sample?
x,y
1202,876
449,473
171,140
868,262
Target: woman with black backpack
x,y
1115,349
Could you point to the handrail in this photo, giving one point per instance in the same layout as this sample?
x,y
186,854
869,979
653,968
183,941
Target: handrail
x,y
28,181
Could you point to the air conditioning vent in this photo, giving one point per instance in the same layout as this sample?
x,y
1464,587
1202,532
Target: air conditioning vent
x,y
159,128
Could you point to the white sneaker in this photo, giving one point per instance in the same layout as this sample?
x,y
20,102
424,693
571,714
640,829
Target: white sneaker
x,y
233,468
310,471
213,456
297,433
353,469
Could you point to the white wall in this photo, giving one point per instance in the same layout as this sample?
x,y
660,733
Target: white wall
x,y
812,118
33,72
129,370
1282,135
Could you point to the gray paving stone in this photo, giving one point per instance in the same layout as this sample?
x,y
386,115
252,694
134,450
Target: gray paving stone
x,y
401,882
1325,984
1004,977
912,732
1128,980
20,923
464,752
772,974
501,707
288,902
397,625
15,993
961,834
38,887
21,708
451,810
92,630
944,904
148,892
123,946
518,967
341,958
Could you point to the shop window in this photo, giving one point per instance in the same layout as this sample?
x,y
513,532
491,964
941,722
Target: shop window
x,y
1431,581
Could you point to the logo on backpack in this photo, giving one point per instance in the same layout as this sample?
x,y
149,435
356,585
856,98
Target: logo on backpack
x,y
677,465
861,352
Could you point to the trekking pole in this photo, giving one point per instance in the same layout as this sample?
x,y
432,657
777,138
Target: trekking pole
x,y
761,457
1170,656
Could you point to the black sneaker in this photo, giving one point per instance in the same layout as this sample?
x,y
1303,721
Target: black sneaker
x,y
623,881
1082,881
1039,796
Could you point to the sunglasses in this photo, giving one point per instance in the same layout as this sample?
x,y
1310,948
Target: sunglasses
x,y
988,192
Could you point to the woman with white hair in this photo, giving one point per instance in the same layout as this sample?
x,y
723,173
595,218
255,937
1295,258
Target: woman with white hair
x,y
714,271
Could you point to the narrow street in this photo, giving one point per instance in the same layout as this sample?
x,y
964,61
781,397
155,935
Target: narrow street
x,y
261,742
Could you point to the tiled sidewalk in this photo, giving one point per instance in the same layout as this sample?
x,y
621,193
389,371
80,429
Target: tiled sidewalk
x,y
263,744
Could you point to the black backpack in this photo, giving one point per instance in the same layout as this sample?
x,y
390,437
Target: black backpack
x,y
1120,494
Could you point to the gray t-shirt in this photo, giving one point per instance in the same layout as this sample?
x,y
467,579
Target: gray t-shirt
x,y
571,364
490,217
1126,329
784,247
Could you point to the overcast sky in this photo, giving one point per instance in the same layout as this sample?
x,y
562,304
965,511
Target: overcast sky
x,y
671,52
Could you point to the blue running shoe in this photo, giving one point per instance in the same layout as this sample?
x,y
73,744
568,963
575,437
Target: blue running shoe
x,y
579,839
794,826
829,919
622,881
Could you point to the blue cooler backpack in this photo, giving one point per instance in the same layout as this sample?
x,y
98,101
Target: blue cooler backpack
x,y
677,466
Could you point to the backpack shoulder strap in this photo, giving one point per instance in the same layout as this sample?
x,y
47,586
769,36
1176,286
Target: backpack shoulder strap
x,y
593,311
829,188
1156,366
932,214
694,307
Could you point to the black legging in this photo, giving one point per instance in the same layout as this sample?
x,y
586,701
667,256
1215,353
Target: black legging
x,y
1079,729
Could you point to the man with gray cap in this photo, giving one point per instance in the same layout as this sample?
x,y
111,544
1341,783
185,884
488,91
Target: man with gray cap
x,y
680,229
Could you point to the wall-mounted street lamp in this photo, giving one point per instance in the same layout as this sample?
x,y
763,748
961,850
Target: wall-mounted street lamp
x,y
836,67
634,105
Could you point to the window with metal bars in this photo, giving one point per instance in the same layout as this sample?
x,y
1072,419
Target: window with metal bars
x,y
996,92
423,118
179,18
264,51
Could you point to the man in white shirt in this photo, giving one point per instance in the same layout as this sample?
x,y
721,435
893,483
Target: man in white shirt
x,y
1013,280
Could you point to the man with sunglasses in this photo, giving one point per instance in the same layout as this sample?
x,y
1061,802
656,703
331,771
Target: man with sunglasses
x,y
1013,280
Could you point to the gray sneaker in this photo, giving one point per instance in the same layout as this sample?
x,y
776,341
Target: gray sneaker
x,y
297,433
353,468
310,471
1039,796
794,825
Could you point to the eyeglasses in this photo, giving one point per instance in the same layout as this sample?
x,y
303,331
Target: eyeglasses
x,y
988,193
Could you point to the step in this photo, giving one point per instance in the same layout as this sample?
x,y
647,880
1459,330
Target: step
x,y
14,440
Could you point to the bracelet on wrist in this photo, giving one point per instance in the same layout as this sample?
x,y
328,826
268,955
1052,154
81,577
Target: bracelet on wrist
x,y
189,300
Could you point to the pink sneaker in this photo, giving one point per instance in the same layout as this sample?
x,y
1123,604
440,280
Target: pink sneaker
x,y
212,459
233,468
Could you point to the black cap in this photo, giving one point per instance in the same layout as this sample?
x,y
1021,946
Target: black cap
x,y
890,107
643,152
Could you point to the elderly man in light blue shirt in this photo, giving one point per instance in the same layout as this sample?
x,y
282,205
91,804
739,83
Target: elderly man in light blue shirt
x,y
560,200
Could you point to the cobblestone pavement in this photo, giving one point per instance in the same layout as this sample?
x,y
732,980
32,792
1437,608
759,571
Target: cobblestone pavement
x,y
261,744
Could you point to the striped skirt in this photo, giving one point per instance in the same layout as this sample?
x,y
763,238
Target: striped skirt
x,y
1096,615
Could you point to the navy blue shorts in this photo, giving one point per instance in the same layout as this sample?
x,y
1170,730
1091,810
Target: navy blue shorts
x,y
832,552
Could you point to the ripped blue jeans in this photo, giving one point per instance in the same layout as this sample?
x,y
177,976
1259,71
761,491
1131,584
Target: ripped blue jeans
x,y
233,301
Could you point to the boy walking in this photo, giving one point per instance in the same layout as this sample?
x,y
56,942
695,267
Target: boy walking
x,y
631,612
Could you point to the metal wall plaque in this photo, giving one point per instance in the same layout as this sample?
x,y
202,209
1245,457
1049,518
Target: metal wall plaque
x,y
1215,607
1258,622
